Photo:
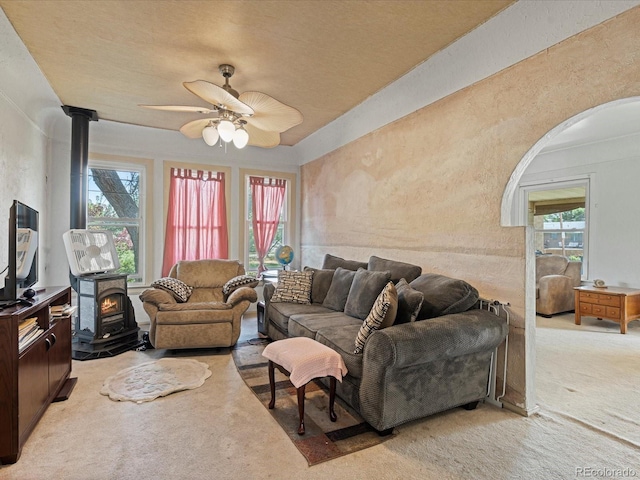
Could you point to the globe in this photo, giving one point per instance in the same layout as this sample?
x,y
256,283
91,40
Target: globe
x,y
284,255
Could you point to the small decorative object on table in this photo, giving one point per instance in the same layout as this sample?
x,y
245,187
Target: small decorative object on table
x,y
598,283
284,255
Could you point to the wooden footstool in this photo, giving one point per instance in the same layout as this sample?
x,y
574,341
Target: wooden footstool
x,y
304,359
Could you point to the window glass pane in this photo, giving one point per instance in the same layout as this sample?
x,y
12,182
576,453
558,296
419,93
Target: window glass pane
x,y
561,233
270,261
114,205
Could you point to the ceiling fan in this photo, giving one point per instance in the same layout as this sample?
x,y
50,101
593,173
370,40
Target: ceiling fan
x,y
250,118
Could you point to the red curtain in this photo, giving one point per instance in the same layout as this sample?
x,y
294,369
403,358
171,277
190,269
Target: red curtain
x,y
196,219
267,197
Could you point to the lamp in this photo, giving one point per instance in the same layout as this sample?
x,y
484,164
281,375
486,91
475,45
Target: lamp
x,y
226,129
240,136
210,134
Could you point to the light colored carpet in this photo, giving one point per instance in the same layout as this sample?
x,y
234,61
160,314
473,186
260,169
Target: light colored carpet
x,y
323,440
590,374
221,431
157,378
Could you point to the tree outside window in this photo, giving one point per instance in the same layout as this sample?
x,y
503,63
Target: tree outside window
x,y
114,204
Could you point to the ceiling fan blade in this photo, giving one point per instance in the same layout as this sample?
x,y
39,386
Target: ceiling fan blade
x,y
179,108
270,114
262,138
218,96
194,129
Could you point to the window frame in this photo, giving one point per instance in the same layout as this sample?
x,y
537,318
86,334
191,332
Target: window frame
x,y
288,213
144,168
583,182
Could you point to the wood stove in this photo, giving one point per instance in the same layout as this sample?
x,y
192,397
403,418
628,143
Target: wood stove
x,y
106,324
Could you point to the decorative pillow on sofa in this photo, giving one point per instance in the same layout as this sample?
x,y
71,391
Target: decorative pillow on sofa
x,y
375,318
443,295
332,262
409,302
293,287
364,290
180,290
397,269
320,283
239,281
339,290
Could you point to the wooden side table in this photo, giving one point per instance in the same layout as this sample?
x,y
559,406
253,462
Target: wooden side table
x,y
619,304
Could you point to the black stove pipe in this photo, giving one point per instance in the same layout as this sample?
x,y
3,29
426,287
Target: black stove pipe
x,y
80,119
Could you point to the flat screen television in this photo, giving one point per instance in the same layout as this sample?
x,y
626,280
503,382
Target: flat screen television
x,y
22,272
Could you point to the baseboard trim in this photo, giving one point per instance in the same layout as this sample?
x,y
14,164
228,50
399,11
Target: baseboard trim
x,y
519,410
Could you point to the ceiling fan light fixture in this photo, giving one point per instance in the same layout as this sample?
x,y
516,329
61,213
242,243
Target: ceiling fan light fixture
x,y
210,135
226,129
240,137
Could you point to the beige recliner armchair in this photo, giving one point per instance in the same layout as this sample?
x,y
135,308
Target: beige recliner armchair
x,y
209,317
555,278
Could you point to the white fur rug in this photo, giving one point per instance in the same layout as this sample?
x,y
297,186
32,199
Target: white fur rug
x,y
158,378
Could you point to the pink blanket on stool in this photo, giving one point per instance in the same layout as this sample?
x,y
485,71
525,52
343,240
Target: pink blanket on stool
x,y
305,359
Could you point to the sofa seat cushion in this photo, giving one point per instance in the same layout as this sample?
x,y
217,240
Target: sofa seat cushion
x,y
185,307
342,338
308,324
279,313
192,317
397,269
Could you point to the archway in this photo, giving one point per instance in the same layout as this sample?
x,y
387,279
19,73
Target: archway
x,y
511,214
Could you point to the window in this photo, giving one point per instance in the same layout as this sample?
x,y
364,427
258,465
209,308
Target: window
x,y
281,235
559,217
115,193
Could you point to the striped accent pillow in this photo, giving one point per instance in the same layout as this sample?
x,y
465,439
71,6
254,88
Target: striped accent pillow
x,y
239,281
374,319
180,290
293,287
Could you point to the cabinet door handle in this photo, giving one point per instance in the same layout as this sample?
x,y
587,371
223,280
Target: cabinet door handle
x,y
54,339
47,343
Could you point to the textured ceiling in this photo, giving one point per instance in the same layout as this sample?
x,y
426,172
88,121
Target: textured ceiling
x,y
322,57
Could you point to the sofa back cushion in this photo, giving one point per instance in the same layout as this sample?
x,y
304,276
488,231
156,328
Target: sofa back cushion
x,y
339,290
320,283
206,273
409,302
550,265
397,269
443,295
364,290
332,262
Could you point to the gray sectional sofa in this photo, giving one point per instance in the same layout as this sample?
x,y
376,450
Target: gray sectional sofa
x,y
435,356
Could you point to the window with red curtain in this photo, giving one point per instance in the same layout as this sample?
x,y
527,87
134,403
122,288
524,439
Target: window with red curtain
x,y
196,218
267,198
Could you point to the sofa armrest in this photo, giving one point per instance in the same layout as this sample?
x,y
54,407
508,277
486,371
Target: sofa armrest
x,y
267,291
242,293
157,296
424,341
554,284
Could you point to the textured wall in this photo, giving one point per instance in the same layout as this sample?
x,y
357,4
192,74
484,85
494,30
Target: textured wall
x,y
427,189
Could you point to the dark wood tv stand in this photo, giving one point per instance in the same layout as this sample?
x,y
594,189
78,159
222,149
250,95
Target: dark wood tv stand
x,y
32,378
